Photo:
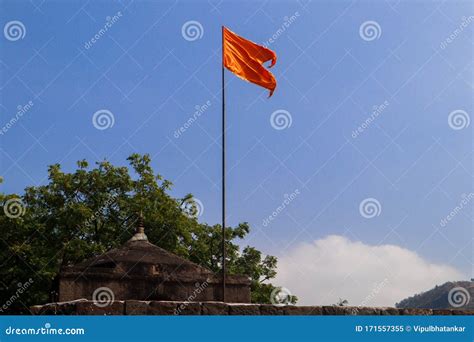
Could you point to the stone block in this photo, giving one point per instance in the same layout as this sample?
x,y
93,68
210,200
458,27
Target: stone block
x,y
162,308
389,311
68,308
136,307
91,308
214,308
303,310
47,309
268,309
363,310
462,312
442,312
244,309
416,312
188,308
335,310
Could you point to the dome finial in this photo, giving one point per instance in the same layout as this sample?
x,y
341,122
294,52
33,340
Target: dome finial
x,y
140,232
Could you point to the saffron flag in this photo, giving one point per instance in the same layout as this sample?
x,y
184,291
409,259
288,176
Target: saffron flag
x,y
245,59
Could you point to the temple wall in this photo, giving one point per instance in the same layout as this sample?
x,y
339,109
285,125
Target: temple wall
x,y
153,289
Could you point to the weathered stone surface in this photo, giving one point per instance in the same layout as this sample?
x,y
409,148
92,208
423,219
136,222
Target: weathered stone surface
x,y
389,311
90,308
268,309
214,308
442,312
303,310
355,310
136,307
61,308
68,308
162,308
335,310
36,309
188,308
462,312
417,312
48,309
244,309
364,310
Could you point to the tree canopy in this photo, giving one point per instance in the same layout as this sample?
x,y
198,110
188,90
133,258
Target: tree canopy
x,y
91,210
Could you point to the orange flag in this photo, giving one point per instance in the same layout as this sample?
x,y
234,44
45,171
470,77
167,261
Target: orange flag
x,y
245,59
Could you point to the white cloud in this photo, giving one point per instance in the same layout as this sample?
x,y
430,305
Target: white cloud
x,y
334,267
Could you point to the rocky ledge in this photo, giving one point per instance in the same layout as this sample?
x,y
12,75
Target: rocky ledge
x,y
138,307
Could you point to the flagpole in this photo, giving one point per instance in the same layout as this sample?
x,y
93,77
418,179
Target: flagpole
x,y
223,174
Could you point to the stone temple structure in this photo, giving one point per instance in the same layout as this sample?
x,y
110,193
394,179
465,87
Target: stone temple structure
x,y
140,270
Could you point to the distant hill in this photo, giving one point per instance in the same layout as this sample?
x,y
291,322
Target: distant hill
x,y
450,295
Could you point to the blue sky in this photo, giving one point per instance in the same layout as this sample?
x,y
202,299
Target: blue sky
x,y
414,161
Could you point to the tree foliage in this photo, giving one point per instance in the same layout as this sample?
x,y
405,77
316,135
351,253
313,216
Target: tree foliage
x,y
85,213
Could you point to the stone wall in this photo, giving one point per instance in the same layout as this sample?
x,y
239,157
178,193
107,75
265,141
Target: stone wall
x,y
154,288
136,307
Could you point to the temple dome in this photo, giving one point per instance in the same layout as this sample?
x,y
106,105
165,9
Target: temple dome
x,y
143,271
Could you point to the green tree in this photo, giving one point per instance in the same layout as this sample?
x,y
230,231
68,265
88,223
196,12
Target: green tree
x,y
85,213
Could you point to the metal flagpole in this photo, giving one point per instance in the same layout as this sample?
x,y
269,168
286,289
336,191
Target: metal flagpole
x,y
223,174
